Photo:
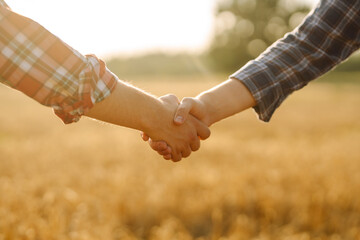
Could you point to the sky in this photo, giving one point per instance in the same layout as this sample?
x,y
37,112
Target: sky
x,y
112,27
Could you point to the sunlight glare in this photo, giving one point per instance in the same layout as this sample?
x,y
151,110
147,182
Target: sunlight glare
x,y
110,27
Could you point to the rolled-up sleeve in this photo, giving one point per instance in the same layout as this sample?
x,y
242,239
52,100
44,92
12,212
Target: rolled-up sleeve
x,y
39,64
328,36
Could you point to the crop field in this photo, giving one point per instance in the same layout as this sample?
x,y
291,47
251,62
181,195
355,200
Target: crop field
x,y
295,178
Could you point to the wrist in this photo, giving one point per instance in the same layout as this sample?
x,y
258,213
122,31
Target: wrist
x,y
158,118
149,122
205,103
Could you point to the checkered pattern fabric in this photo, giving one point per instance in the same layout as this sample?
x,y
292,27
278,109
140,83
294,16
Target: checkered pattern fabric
x,y
328,36
37,63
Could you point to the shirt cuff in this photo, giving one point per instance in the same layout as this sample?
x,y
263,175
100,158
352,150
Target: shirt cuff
x,y
96,82
261,83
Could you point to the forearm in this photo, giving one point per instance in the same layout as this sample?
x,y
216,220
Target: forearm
x,y
225,100
128,106
326,38
133,108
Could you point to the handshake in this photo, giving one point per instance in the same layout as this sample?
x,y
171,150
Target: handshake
x,y
191,118
173,129
189,125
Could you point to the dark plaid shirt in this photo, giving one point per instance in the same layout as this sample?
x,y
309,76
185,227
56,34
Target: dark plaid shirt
x,y
328,36
37,63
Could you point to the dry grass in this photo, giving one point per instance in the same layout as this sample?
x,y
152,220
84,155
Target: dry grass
x,y
297,178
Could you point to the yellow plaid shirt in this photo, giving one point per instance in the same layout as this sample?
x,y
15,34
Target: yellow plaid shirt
x,y
39,64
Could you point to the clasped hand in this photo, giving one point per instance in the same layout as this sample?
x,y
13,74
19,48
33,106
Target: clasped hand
x,y
189,125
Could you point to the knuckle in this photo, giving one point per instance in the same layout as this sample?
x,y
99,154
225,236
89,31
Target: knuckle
x,y
187,100
157,145
169,98
162,145
172,97
165,152
181,110
154,145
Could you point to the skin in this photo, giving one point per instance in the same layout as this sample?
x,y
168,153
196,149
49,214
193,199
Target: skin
x,y
131,107
222,101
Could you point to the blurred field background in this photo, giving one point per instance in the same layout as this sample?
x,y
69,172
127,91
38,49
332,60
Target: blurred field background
x,y
294,178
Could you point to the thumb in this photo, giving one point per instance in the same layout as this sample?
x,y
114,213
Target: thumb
x,y
191,106
183,110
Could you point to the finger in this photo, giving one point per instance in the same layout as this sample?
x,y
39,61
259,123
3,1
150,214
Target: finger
x,y
183,111
165,152
176,157
191,106
158,145
203,131
186,153
195,146
144,136
167,157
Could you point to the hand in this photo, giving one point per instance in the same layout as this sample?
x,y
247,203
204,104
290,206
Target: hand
x,y
193,106
187,106
181,140
159,146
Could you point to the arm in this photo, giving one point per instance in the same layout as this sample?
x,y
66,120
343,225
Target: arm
x,y
40,65
328,36
131,107
37,63
213,105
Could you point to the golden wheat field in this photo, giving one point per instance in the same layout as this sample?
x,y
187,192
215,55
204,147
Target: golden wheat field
x,y
296,178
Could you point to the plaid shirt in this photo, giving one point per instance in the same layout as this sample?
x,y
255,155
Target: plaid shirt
x,y
329,35
37,63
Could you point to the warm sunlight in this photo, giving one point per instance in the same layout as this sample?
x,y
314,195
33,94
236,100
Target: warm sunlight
x,y
108,27
176,70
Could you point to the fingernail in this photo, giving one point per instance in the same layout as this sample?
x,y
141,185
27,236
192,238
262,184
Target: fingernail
x,y
179,119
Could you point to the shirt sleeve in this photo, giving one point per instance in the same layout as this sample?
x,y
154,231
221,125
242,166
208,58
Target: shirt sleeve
x,y
39,64
329,35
